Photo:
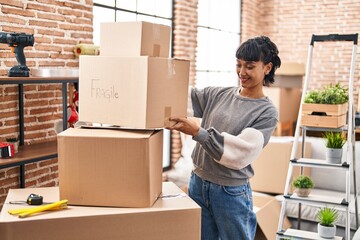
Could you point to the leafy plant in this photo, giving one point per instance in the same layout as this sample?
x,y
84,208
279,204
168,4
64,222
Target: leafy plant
x,y
327,216
332,94
303,181
334,139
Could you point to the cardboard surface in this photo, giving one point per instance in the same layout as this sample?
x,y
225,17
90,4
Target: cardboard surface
x,y
103,167
138,92
271,167
286,100
173,218
134,39
289,75
267,211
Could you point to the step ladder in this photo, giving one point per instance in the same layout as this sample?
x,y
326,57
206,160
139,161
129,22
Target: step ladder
x,y
348,166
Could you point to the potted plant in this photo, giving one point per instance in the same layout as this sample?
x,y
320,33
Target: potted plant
x,y
303,185
14,141
326,107
334,142
327,218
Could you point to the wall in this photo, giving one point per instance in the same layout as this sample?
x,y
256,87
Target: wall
x,y
57,26
184,47
290,24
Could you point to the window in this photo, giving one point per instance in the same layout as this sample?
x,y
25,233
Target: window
x,y
156,11
218,39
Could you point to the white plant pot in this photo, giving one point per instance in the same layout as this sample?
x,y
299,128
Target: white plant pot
x,y
334,155
326,232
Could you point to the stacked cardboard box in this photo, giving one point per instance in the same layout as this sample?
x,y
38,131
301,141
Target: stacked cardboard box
x,y
135,85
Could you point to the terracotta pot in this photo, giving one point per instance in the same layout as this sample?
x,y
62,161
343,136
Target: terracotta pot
x,y
303,192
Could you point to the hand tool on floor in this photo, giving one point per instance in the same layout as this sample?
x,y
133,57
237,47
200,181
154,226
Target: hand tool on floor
x,y
25,212
17,42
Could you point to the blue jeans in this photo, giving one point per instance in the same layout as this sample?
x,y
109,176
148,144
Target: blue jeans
x,y
226,212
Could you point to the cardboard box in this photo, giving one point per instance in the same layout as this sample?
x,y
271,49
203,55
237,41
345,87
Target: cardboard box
x,y
267,211
172,218
286,100
134,39
271,167
103,167
289,75
137,92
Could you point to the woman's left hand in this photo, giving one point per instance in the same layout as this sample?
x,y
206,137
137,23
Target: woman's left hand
x,y
186,125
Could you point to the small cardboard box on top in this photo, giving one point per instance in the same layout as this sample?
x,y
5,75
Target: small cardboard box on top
x,y
134,39
133,92
108,167
176,217
271,167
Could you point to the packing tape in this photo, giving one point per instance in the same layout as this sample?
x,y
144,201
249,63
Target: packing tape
x,y
167,115
86,49
156,29
171,67
6,150
156,50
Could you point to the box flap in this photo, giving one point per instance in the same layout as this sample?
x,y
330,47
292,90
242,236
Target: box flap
x,y
291,68
105,133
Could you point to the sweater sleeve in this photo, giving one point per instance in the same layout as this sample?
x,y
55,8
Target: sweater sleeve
x,y
235,152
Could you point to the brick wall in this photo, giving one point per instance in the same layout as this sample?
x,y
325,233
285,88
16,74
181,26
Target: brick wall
x,y
291,24
185,34
57,26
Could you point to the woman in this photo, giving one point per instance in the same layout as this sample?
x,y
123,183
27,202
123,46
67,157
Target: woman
x,y
236,125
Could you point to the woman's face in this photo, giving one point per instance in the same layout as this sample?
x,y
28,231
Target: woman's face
x,y
252,74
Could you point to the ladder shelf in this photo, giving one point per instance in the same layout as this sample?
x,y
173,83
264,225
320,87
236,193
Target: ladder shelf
x,y
345,199
300,234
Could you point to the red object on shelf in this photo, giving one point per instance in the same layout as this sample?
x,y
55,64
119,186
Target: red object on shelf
x,y
6,150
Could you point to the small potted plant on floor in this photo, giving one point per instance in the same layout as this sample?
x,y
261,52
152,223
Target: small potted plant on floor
x,y
327,218
303,185
334,142
14,141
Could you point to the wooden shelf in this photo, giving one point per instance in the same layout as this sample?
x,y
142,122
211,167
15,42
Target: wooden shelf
x,y
31,153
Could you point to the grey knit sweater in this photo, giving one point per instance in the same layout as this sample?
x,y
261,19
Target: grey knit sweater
x,y
233,132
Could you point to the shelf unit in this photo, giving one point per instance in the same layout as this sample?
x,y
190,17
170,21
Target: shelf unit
x,y
342,201
35,152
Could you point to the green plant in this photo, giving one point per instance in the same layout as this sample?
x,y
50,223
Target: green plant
x,y
332,94
334,139
303,181
327,216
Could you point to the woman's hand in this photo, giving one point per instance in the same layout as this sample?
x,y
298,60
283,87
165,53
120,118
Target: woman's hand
x,y
186,125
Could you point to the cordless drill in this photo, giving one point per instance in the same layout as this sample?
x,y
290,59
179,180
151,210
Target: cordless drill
x,y
17,42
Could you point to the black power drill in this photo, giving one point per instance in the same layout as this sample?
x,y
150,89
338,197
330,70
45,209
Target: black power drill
x,y
17,42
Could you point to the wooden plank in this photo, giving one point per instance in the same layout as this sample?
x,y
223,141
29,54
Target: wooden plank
x,y
328,109
323,121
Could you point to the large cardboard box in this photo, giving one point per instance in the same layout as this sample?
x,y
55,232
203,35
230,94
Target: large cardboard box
x,y
286,100
271,167
135,92
289,75
104,167
267,211
171,218
134,39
